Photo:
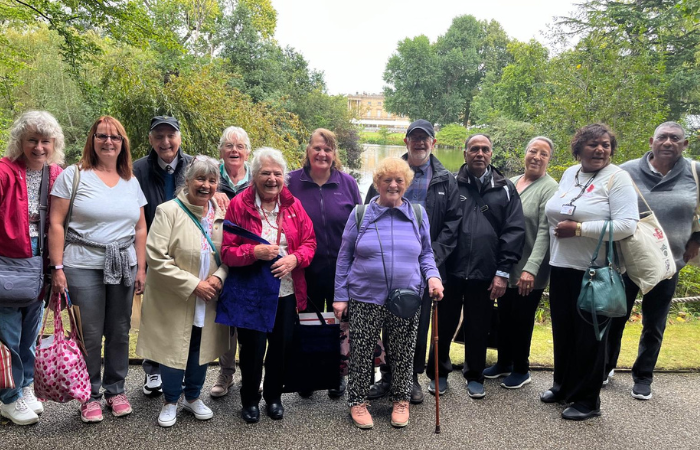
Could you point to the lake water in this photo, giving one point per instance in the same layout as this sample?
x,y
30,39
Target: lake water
x,y
452,159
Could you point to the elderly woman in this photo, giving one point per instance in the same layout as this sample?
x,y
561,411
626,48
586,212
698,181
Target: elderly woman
x,y
403,256
185,276
268,209
234,148
529,277
328,196
589,194
104,260
36,144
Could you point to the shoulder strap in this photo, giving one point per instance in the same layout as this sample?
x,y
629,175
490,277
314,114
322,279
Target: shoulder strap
x,y
484,208
418,211
199,225
697,182
74,191
43,206
232,228
360,214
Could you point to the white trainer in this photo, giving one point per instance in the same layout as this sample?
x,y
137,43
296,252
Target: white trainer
x,y
31,400
168,415
19,412
198,408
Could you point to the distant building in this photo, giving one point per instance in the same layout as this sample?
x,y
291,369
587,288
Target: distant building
x,y
372,115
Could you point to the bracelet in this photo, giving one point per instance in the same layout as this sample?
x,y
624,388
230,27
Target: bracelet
x,y
578,228
56,267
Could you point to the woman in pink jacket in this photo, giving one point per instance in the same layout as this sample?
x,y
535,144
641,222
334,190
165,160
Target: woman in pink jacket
x,y
268,209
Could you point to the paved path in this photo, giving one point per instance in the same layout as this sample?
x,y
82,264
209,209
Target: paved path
x,y
504,419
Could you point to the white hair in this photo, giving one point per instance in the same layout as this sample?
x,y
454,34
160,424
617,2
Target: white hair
x,y
234,132
268,153
41,122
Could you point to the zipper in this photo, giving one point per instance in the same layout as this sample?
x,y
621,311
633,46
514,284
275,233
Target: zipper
x,y
325,227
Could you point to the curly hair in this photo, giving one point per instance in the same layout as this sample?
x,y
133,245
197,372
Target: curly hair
x,y
592,131
41,122
392,166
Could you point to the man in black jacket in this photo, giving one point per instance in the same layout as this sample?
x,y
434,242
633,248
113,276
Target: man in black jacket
x,y
491,237
436,189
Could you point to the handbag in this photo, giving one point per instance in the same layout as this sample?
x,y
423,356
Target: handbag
x,y
21,279
602,288
403,303
60,372
7,381
647,253
696,218
314,359
250,293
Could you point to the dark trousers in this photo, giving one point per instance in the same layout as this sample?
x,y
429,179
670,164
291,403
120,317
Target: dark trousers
x,y
320,289
516,316
252,353
193,375
478,307
655,306
579,359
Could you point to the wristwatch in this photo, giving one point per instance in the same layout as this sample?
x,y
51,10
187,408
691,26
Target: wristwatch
x,y
578,228
60,266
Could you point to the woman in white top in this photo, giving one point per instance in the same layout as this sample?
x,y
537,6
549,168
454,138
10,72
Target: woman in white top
x,y
104,259
589,194
185,276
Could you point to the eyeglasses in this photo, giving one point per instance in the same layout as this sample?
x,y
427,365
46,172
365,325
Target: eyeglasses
x,y
103,137
239,147
419,139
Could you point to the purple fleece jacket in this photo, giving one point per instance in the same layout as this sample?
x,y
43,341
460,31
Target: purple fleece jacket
x,y
328,206
408,255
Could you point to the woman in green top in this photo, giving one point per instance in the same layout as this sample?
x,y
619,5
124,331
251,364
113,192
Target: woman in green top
x,y
516,309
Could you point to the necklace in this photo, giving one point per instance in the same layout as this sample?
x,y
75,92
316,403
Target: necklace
x,y
264,214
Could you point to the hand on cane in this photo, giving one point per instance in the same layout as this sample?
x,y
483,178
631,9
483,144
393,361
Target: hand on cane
x,y
435,288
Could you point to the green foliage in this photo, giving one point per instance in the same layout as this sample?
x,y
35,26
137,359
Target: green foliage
x,y
374,137
451,136
438,81
509,138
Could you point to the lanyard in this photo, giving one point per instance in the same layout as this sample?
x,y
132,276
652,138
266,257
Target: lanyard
x,y
583,189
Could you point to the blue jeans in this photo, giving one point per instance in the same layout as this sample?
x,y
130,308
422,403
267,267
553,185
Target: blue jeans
x,y
193,375
19,328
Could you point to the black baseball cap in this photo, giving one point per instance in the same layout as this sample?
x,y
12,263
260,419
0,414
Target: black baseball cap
x,y
421,124
160,120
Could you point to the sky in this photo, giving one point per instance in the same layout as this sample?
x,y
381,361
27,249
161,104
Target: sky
x,y
351,41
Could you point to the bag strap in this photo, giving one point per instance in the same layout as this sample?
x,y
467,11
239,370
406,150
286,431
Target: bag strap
x,y
43,206
484,208
69,214
315,309
232,228
361,209
199,225
381,252
600,242
693,165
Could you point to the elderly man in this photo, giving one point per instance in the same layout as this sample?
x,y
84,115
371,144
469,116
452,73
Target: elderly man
x,y
436,189
666,181
159,174
490,242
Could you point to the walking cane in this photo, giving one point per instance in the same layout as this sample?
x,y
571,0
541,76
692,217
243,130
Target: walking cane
x,y
435,358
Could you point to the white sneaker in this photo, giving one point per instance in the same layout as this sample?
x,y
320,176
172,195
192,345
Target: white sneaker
x,y
152,385
198,408
31,400
19,412
168,415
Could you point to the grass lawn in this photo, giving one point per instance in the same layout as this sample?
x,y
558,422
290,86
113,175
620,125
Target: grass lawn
x,y
680,349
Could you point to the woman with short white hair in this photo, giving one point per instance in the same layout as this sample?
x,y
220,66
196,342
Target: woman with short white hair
x,y
36,144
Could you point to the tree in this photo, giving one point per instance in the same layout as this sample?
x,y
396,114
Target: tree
x,y
438,81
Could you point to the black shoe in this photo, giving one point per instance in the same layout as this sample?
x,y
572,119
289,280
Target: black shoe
x,y
572,413
275,410
379,389
337,393
549,396
251,414
417,394
442,384
641,391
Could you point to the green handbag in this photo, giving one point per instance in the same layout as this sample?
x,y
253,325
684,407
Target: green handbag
x,y
602,288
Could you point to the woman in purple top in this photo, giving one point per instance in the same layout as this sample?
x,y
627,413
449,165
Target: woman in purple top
x,y
328,196
404,257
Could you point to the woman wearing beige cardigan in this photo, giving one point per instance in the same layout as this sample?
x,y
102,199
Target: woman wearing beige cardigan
x,y
183,283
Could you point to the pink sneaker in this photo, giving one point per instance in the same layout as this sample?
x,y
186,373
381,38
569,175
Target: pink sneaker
x,y
119,405
91,412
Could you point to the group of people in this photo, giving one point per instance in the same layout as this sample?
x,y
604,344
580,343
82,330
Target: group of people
x,y
157,227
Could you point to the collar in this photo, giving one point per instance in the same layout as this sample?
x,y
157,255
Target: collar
x,y
423,168
227,179
486,174
258,204
306,177
163,165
